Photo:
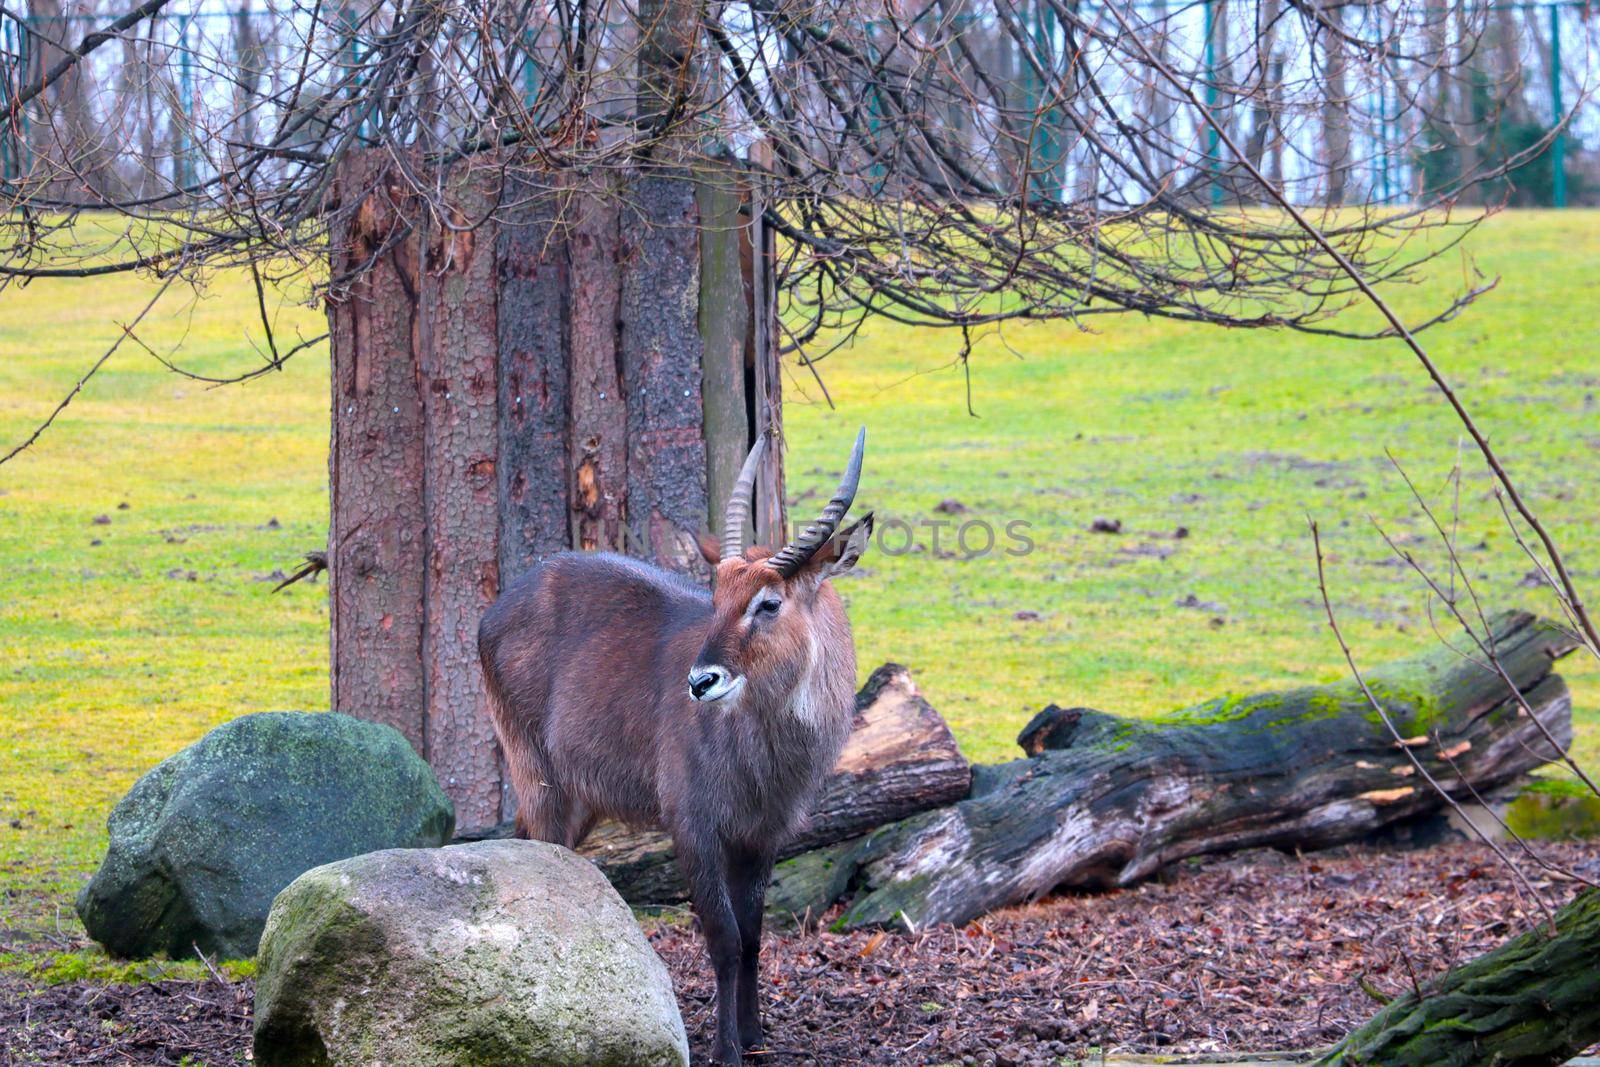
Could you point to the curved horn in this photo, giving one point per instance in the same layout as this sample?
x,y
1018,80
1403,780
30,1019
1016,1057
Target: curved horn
x,y
794,554
739,500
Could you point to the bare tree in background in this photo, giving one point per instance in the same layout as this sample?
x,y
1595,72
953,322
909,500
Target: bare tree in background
x,y
955,163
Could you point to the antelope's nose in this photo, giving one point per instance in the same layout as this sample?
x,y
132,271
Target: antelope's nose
x,y
709,683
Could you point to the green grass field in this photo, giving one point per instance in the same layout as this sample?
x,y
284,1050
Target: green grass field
x,y
123,640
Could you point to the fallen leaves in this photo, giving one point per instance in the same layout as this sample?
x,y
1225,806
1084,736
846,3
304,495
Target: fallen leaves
x,y
1254,951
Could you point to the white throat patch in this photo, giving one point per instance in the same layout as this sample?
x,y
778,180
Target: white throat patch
x,y
806,704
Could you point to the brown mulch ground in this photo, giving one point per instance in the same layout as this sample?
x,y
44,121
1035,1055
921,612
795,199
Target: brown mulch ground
x,y
156,1022
1258,951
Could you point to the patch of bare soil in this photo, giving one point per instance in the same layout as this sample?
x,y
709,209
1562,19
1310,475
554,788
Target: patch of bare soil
x,y
152,1023
1258,951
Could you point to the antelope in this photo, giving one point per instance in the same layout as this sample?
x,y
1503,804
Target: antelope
x,y
623,691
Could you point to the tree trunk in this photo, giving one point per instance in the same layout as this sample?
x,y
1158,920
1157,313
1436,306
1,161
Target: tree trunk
x,y
376,549
534,386
598,457
1266,94
1106,801
660,351
901,759
461,348
1533,1000
724,323
250,63
1469,117
1335,105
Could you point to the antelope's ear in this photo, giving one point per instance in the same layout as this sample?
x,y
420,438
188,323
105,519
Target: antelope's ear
x,y
710,548
842,550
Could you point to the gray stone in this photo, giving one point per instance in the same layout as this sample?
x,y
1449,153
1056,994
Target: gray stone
x,y
204,841
485,954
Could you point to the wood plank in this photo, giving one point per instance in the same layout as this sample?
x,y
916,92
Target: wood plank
x,y
459,358
375,531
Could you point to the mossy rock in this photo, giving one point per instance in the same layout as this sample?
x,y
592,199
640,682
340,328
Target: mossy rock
x,y
485,954
204,841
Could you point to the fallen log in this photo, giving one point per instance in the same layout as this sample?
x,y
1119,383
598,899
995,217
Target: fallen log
x,y
1535,999
901,759
1105,801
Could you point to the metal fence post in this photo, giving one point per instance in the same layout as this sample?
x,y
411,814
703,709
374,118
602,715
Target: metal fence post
x,y
6,71
185,161
1558,147
530,79
1213,160
1050,167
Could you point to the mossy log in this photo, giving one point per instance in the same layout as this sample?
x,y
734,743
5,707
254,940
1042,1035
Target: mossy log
x,y
1533,1000
901,759
1105,801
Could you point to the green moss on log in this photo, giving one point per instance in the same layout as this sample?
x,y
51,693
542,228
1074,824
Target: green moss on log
x,y
1557,787
1534,1000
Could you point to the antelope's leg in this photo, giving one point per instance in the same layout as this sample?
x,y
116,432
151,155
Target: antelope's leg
x,y
578,821
544,813
705,868
748,876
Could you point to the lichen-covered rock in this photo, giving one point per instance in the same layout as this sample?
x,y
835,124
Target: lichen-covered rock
x,y
204,841
485,954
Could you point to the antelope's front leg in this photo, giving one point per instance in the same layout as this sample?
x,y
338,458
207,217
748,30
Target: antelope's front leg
x,y
705,869
748,875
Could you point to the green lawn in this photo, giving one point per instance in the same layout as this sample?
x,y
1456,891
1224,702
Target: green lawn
x,y
122,641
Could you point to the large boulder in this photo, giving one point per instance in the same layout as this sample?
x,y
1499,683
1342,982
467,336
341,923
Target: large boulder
x,y
202,843
486,954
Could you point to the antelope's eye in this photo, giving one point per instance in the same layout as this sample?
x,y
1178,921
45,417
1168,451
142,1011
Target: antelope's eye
x,y
768,607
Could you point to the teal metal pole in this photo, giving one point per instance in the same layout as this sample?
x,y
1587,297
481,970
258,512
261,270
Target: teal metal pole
x,y
24,156
1212,142
349,24
530,82
185,162
5,98
1045,149
875,111
1558,147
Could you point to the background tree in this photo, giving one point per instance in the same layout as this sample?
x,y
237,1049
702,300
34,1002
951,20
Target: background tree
x,y
924,159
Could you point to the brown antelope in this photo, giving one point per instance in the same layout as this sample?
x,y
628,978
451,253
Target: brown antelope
x,y
620,690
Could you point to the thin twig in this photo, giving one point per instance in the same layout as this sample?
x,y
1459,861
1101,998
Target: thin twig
x,y
1399,739
127,331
